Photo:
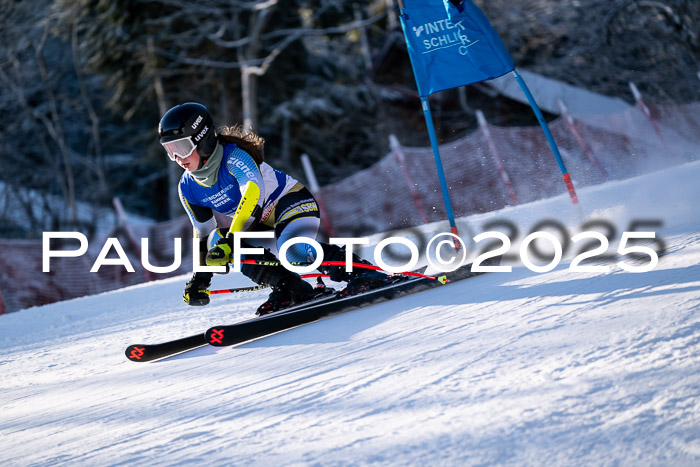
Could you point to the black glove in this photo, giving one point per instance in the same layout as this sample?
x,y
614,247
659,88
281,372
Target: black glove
x,y
197,289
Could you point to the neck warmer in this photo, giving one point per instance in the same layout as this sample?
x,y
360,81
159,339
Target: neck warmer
x,y
209,172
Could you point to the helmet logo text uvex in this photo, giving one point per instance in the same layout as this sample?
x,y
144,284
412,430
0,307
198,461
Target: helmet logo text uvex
x,y
196,122
201,133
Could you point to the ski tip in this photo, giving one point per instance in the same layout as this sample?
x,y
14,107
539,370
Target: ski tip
x,y
135,353
214,336
443,279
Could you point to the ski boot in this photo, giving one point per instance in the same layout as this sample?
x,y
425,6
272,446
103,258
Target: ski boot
x,y
197,289
289,291
367,279
360,279
288,288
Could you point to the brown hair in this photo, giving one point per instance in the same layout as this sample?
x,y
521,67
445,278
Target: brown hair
x,y
246,140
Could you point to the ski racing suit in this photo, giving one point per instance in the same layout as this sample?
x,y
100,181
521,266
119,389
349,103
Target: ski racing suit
x,y
284,206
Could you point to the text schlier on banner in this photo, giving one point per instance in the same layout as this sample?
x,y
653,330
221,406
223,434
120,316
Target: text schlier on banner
x,y
451,48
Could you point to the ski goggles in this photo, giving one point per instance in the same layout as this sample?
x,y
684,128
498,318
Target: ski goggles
x,y
182,148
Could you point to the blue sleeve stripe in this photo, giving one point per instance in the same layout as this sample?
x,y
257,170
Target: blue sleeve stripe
x,y
281,183
244,168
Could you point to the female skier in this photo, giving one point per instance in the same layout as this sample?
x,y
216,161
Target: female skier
x,y
218,167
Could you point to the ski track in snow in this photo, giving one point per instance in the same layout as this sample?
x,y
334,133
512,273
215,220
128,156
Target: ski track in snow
x,y
521,368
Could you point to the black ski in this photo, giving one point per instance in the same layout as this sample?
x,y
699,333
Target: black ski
x,y
303,313
150,352
225,335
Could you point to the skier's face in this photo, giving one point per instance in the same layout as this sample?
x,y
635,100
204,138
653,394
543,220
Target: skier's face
x,y
190,163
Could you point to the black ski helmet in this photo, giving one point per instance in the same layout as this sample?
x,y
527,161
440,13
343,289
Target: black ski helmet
x,y
189,119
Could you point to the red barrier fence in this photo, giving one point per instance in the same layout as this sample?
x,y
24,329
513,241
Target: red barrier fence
x,y
617,146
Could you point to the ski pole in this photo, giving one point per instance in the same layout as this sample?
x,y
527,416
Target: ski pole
x,y
442,279
237,290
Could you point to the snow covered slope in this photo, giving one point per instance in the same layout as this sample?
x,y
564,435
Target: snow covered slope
x,y
556,368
